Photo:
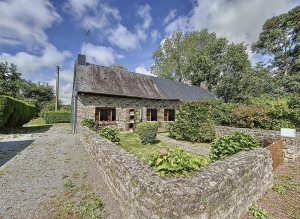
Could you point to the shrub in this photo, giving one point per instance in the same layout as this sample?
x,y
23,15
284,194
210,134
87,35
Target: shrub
x,y
52,117
147,132
110,134
90,123
193,122
221,112
249,116
232,144
14,113
175,162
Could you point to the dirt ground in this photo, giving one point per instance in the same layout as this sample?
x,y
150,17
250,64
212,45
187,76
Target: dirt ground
x,y
283,200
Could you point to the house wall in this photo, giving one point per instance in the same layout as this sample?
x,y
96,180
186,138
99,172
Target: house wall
x,y
87,103
224,189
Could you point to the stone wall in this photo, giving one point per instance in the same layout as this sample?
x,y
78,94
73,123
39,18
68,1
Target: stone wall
x,y
224,189
87,103
291,148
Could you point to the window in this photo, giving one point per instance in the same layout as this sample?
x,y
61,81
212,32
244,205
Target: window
x,y
151,115
169,115
105,114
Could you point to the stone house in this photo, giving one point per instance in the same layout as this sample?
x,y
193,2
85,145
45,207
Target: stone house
x,y
122,99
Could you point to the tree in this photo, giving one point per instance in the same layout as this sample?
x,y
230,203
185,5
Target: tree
x,y
280,37
197,56
119,66
38,93
10,80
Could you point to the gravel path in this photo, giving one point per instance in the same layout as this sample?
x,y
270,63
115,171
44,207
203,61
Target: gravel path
x,y
184,145
34,170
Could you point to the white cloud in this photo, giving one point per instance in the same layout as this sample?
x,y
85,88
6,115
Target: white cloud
x,y
154,35
28,63
143,70
123,38
101,17
101,55
65,90
238,21
144,13
26,21
170,16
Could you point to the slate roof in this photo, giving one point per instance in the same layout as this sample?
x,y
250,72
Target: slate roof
x,y
97,79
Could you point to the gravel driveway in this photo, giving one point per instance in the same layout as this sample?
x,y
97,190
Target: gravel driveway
x,y
36,168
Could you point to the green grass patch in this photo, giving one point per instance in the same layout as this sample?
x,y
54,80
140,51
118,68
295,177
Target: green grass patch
x,y
131,142
196,144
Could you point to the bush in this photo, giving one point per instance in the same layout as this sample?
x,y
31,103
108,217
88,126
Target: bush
x,y
52,117
110,134
249,116
90,123
232,144
175,162
221,112
193,122
147,132
14,113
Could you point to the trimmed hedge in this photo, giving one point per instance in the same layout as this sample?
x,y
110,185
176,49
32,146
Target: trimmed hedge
x,y
57,117
14,113
147,132
193,122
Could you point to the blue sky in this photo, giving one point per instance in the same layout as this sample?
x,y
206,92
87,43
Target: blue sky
x,y
38,35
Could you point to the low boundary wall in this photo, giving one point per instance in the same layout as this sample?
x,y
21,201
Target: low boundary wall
x,y
224,189
291,148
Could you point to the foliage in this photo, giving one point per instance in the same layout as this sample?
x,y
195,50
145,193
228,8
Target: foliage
x,y
249,116
14,113
119,66
280,37
147,132
10,80
175,162
57,117
111,134
41,93
221,112
197,56
90,123
232,144
193,122
260,213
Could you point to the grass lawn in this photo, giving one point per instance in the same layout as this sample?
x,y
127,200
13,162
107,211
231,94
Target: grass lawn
x,y
41,122
34,124
131,142
205,145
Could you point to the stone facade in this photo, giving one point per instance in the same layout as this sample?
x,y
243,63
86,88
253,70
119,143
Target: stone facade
x,y
87,104
224,189
291,148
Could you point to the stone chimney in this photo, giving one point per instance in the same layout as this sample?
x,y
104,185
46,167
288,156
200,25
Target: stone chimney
x,y
81,59
203,84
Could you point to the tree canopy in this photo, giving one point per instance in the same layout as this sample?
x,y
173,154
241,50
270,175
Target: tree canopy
x,y
201,56
280,38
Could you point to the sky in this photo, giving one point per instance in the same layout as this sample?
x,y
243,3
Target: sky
x,y
38,35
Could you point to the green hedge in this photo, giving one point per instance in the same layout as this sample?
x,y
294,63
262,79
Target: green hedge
x,y
265,112
193,122
52,117
147,132
14,113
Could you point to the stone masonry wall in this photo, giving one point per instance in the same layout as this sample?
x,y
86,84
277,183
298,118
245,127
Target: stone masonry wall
x,y
291,148
224,189
87,103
